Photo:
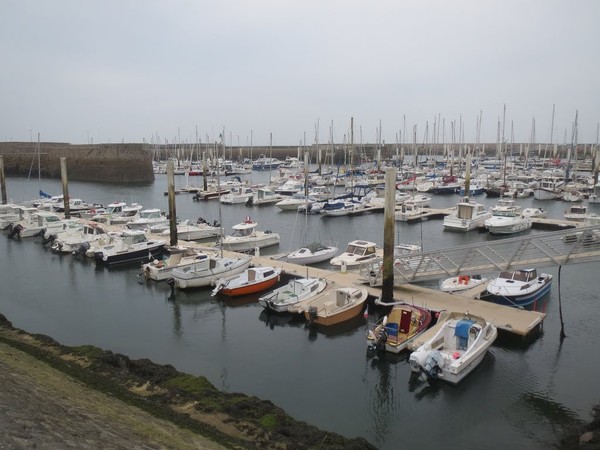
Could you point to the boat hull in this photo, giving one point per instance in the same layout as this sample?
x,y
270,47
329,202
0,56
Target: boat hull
x,y
521,300
209,277
250,288
144,255
334,319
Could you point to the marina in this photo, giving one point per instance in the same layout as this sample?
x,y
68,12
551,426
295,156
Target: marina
x,y
239,345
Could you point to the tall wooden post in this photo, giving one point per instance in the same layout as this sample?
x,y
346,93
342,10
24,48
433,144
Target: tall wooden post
x,y
387,290
171,194
65,186
2,181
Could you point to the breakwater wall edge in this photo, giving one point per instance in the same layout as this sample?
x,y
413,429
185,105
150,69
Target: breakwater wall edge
x,y
113,163
132,163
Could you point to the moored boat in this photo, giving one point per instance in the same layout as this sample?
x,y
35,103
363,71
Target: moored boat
x,y
461,283
312,253
296,291
245,237
161,269
519,287
250,281
206,271
335,306
468,216
132,246
395,331
456,349
357,253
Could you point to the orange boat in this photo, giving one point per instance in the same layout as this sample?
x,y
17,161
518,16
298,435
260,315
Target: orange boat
x,y
250,281
336,306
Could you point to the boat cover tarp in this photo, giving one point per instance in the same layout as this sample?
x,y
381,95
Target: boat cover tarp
x,y
462,328
392,329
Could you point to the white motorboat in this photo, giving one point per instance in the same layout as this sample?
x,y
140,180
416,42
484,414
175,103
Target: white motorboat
x,y
507,218
456,349
357,252
578,213
534,213
409,211
132,246
38,223
312,253
469,215
78,241
292,203
148,218
245,237
297,290
206,271
191,232
118,213
16,213
237,195
161,269
462,283
518,288
264,196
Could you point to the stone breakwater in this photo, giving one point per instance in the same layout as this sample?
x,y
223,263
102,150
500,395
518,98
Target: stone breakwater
x,y
113,163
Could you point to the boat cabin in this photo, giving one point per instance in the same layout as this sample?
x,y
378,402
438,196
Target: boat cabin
x,y
361,248
523,275
468,210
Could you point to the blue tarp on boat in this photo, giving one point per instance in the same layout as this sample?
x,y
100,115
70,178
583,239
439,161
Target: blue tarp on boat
x,y
462,328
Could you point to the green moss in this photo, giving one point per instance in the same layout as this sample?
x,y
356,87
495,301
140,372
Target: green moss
x,y
191,384
89,351
268,421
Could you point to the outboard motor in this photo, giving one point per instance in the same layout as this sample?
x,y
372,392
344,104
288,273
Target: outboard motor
x,y
82,249
250,201
48,238
15,231
312,313
171,282
379,344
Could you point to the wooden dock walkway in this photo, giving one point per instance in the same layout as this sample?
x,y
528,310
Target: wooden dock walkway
x,y
517,321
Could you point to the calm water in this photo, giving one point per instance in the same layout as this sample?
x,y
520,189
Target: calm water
x,y
521,396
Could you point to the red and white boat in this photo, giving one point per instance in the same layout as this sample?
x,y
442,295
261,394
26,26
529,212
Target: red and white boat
x,y
250,281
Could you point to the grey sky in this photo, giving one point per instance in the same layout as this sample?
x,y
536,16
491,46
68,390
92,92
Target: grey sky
x,y
124,70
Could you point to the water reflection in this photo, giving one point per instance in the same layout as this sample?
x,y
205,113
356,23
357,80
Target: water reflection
x,y
273,319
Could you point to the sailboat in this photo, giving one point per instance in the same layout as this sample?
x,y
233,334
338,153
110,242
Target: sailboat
x,y
315,252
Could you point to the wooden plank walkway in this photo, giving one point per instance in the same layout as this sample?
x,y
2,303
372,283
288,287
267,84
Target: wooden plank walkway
x,y
513,320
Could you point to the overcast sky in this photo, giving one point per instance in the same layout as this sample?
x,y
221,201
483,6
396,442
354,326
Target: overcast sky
x,y
113,71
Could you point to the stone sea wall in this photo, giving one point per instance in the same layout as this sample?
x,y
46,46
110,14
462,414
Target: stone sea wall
x,y
115,163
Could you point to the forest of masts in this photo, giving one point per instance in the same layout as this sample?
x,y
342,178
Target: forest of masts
x,y
434,145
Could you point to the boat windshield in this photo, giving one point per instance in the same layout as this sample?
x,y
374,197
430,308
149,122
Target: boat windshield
x,y
464,211
360,251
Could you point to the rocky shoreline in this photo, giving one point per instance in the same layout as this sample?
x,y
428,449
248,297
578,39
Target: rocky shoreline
x,y
86,397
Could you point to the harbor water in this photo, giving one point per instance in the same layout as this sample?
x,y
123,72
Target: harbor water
x,y
523,395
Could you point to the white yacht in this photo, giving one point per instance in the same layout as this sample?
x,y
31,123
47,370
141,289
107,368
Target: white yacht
x,y
356,253
469,215
507,218
245,237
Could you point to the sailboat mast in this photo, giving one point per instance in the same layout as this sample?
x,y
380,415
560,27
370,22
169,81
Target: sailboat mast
x,y
219,191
